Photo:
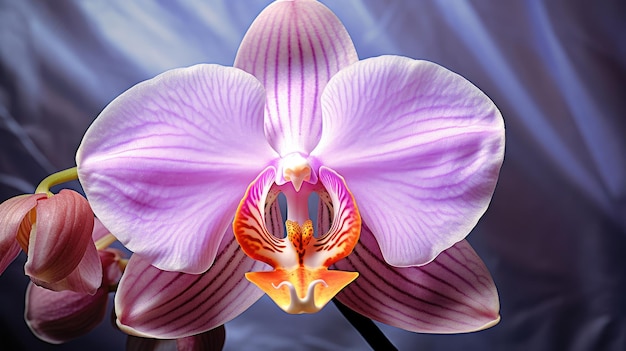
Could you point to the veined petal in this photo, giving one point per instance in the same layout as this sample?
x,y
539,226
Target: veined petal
x,y
249,225
165,163
345,228
12,214
294,48
420,148
169,305
57,317
86,278
9,251
452,294
60,234
212,340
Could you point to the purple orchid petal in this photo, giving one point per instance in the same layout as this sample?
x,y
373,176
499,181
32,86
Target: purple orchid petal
x,y
169,305
166,163
12,213
294,48
452,294
213,340
420,148
61,228
57,317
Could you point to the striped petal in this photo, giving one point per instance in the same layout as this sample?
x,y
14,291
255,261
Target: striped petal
x,y
294,48
455,293
169,305
85,278
61,253
249,225
12,214
419,146
165,164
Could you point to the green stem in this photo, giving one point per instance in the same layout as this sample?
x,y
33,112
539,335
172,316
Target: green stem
x,y
367,328
56,179
105,241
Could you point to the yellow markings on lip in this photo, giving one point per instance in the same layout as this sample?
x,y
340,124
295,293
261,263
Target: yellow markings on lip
x,y
300,237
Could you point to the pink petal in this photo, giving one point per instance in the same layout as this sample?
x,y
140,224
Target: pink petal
x,y
169,305
60,234
86,278
12,213
57,317
208,341
452,294
166,163
293,48
419,146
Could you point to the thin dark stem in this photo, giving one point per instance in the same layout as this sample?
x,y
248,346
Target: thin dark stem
x,y
367,328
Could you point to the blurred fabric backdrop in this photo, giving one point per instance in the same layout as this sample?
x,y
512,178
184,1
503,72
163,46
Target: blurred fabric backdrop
x,y
554,237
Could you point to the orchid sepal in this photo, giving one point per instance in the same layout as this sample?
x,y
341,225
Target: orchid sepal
x,y
168,305
453,294
294,48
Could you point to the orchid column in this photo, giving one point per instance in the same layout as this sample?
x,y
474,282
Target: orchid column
x,y
403,153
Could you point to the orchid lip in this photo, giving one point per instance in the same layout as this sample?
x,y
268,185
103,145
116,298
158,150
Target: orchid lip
x,y
299,304
301,281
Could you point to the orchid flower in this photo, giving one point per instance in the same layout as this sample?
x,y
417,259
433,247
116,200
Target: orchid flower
x,y
55,232
186,169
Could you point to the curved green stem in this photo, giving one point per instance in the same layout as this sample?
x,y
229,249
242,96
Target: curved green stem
x,y
55,179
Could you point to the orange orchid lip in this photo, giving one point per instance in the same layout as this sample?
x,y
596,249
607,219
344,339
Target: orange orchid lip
x,y
301,281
